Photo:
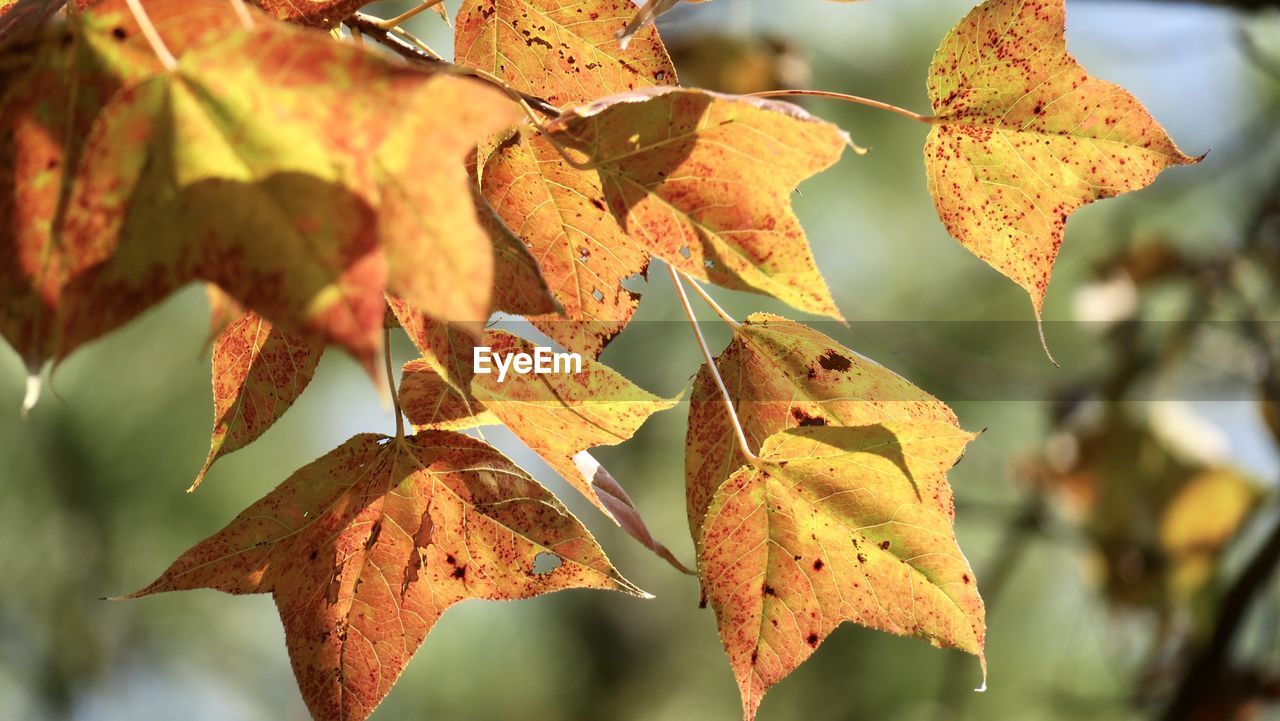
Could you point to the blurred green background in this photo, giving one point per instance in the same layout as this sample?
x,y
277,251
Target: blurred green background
x,y
93,502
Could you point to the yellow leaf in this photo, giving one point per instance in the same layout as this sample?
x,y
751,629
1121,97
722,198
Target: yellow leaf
x,y
837,524
1023,136
783,374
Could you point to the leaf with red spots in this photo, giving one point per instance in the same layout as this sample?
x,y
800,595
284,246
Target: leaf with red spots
x,y
565,53
783,375
559,415
258,372
704,181
315,13
365,548
45,266
285,168
836,524
562,52
1023,136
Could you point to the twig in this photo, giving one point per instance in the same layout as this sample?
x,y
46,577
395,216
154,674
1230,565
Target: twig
x,y
745,447
706,297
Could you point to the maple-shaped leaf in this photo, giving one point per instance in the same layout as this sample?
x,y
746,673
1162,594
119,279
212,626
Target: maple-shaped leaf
x,y
836,524
258,372
783,375
566,53
1023,136
296,179
365,548
559,415
54,92
704,181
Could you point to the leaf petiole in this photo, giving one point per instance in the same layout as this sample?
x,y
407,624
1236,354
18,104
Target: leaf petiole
x,y
407,15
391,382
152,35
745,447
848,99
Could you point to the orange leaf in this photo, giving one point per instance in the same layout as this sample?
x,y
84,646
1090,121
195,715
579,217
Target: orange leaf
x,y
704,181
258,372
365,548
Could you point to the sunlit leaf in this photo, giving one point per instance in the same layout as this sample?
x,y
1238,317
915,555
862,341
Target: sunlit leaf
x,y
1023,136
258,372
837,524
365,548
704,181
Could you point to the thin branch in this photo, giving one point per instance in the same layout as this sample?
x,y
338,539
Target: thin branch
x,y
848,99
715,372
706,297
411,51
391,382
152,35
404,17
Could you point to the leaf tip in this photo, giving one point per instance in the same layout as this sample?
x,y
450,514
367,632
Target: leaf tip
x,y
32,395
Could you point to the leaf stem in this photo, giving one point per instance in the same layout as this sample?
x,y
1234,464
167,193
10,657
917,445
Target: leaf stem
x,y
149,31
848,99
242,12
391,382
407,15
745,447
706,297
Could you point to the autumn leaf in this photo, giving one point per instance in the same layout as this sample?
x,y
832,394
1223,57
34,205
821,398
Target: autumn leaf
x,y
784,375
837,524
22,16
258,372
585,256
547,48
1023,136
45,266
559,416
704,181
519,287
559,51
243,153
365,548
316,13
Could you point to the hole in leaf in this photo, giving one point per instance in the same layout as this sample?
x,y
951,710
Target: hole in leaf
x,y
546,562
685,252
597,295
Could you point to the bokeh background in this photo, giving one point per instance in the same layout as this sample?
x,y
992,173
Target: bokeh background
x,y
1120,511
